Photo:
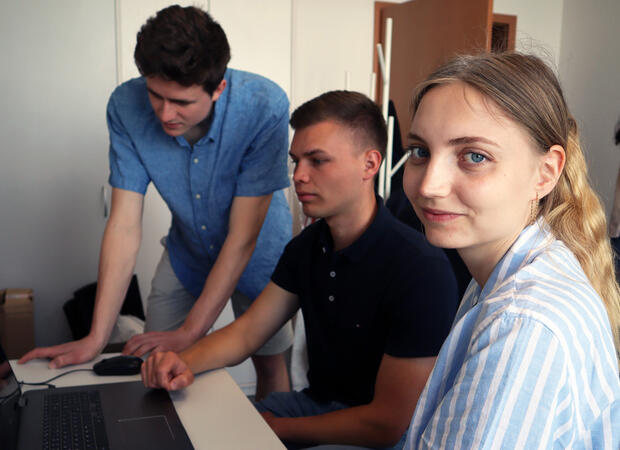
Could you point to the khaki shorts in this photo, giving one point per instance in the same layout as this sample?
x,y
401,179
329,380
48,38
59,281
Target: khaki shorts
x,y
169,304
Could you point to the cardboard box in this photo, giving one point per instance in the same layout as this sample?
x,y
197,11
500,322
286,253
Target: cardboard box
x,y
16,322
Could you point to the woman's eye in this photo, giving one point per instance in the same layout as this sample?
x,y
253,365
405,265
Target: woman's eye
x,y
417,152
475,158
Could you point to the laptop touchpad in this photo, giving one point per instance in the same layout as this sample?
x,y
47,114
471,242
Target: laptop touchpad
x,y
148,433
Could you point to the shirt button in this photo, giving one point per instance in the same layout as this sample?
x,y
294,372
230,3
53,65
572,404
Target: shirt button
x,y
324,250
210,247
331,298
203,227
195,160
197,195
332,274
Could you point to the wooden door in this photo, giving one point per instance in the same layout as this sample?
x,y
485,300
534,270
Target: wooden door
x,y
425,33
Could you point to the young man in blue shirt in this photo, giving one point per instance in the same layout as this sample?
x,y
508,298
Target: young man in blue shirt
x,y
377,299
213,141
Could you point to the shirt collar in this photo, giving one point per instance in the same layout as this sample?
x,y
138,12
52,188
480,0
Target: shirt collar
x,y
362,245
530,243
218,117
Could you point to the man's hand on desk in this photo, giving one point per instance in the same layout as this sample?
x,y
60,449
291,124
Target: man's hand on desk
x,y
167,371
75,352
277,424
159,341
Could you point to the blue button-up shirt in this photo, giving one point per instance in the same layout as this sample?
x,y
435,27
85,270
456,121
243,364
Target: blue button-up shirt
x,y
529,362
244,153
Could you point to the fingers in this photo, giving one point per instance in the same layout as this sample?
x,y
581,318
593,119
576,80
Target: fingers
x,y
132,344
141,344
32,354
149,370
59,359
41,352
66,359
143,350
75,352
182,381
166,370
182,376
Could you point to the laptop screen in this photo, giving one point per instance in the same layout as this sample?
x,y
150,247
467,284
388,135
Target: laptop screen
x,y
9,409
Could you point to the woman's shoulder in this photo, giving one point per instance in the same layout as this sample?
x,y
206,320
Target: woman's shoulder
x,y
551,291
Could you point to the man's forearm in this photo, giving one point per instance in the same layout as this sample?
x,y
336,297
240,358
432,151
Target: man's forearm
x,y
119,250
222,348
360,425
219,286
380,423
238,340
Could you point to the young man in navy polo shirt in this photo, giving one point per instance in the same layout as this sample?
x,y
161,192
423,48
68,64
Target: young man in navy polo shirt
x,y
213,141
377,299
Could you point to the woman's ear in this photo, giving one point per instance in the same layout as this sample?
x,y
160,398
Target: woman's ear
x,y
551,166
372,162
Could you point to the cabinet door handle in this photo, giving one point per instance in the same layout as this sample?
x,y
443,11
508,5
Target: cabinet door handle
x,y
104,198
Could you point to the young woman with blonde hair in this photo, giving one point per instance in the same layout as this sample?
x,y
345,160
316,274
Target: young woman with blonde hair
x,y
497,172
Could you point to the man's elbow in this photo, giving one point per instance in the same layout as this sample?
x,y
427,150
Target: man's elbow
x,y
390,432
395,435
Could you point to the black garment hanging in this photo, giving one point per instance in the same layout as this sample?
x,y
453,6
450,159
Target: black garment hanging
x,y
399,205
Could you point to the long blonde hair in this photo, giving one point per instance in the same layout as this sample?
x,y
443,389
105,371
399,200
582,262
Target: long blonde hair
x,y
528,91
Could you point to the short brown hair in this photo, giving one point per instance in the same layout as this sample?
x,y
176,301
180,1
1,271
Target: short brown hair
x,y
184,45
350,109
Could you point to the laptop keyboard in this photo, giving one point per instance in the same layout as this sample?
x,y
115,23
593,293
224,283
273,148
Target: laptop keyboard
x,y
73,420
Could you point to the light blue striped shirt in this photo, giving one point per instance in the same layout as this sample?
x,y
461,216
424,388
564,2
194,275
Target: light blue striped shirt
x,y
529,362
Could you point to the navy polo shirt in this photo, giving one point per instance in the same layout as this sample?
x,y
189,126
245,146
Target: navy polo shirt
x,y
244,153
389,292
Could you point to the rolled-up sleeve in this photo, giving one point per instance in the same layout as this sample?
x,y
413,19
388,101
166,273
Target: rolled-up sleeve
x,y
126,169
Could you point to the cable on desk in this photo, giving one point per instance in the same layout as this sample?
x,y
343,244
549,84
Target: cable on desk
x,y
47,382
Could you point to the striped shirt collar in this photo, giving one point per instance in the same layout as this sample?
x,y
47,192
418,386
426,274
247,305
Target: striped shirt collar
x,y
530,243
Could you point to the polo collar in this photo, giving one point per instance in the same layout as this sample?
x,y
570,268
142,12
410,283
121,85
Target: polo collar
x,y
358,249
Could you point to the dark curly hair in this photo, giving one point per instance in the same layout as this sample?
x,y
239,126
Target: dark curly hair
x,y
184,45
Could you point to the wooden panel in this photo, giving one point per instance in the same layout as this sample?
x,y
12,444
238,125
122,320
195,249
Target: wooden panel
x,y
425,34
378,37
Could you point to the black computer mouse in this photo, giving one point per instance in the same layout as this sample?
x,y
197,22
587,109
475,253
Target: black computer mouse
x,y
118,365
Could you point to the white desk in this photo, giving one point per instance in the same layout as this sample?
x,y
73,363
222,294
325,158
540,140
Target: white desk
x,y
214,411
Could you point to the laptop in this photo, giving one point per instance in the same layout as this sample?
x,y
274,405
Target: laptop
x,y
102,416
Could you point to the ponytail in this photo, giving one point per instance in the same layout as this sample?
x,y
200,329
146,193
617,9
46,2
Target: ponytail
x,y
575,214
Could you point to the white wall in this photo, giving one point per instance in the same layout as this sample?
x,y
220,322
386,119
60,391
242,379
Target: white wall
x,y
54,85
539,25
331,38
580,40
590,74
